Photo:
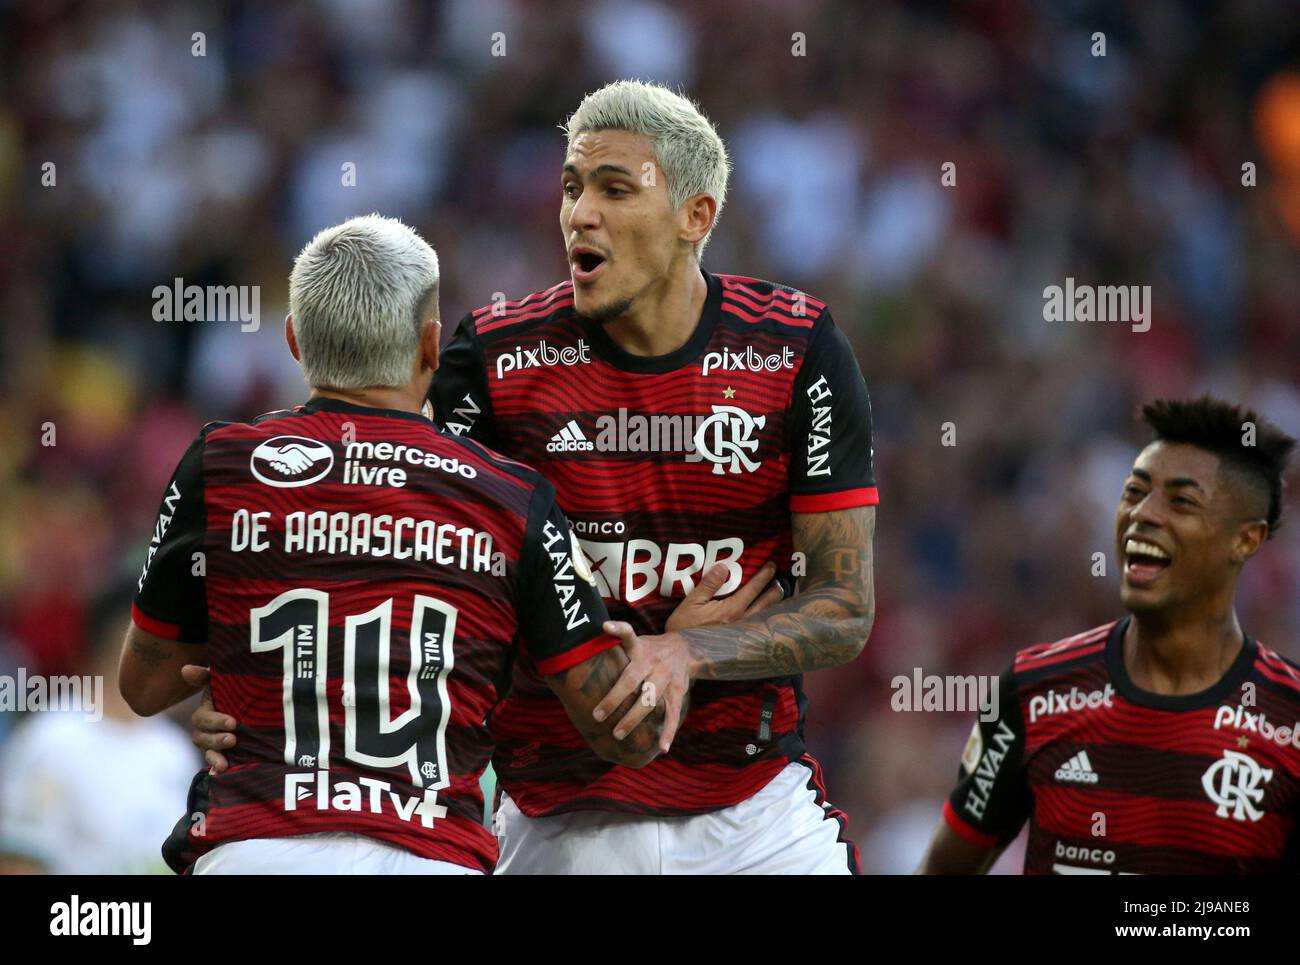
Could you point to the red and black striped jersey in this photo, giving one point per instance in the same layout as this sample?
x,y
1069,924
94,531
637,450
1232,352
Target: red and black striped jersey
x,y
362,582
666,466
1113,779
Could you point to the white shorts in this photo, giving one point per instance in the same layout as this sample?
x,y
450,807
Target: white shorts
x,y
320,854
786,828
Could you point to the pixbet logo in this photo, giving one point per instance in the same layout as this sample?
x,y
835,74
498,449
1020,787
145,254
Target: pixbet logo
x,y
1239,718
729,361
1045,705
542,355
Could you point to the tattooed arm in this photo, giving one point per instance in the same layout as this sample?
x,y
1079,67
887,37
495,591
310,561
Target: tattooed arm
x,y
149,674
827,624
580,688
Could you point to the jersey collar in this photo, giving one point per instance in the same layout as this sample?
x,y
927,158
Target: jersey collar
x,y
1124,686
325,404
608,350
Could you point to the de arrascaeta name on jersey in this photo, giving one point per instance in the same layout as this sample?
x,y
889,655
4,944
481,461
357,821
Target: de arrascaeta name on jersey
x,y
380,535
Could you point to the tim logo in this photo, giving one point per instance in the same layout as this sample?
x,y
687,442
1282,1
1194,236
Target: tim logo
x,y
288,461
726,439
1234,785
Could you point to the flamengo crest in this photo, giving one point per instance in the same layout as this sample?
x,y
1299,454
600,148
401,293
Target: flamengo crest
x,y
725,439
1234,785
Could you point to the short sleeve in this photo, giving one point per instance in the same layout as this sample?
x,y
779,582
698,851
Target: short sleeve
x,y
560,610
992,799
461,403
171,598
831,465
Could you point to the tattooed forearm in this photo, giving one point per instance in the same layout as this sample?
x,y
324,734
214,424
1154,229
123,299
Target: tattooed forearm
x,y
598,678
827,624
584,686
150,651
149,672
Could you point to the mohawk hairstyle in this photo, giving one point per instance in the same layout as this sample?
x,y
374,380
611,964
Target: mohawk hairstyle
x,y
1218,427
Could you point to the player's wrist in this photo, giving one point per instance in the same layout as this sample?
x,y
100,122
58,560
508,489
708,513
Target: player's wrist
x,y
696,659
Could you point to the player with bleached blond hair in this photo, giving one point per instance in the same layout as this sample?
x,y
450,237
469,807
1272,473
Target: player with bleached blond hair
x,y
708,434
367,581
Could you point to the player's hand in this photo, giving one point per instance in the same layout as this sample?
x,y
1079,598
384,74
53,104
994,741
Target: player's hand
x,y
213,732
699,608
659,671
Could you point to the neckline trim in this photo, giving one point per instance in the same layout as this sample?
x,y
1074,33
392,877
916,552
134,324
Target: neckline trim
x,y
1126,688
325,404
608,350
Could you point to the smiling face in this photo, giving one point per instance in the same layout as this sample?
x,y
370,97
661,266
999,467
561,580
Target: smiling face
x,y
621,231
1183,529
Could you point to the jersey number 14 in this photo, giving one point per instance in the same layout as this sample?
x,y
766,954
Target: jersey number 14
x,y
297,623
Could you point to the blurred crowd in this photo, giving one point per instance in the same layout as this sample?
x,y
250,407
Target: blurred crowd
x,y
1118,144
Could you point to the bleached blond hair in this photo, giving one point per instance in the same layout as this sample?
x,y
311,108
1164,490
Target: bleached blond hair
x,y
358,293
685,143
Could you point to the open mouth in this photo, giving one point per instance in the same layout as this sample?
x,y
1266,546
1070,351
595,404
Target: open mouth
x,y
1144,562
586,264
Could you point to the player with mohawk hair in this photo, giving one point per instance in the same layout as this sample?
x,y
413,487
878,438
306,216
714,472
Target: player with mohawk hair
x,y
1167,742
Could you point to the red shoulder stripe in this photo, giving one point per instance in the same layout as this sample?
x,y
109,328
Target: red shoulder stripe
x,y
768,313
1039,650
541,312
743,278
1276,669
1085,637
1067,649
1072,654
736,283
799,308
536,298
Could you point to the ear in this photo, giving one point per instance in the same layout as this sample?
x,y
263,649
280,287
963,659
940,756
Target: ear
x,y
291,338
696,217
1250,537
430,342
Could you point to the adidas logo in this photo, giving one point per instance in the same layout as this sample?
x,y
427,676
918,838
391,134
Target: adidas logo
x,y
1078,768
570,439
